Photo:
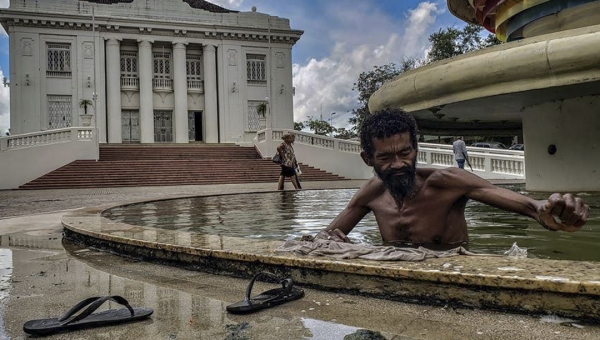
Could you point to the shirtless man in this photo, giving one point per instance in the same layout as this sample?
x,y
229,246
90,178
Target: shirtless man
x,y
426,206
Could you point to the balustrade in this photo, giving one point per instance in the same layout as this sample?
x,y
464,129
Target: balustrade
x,y
350,147
506,162
47,138
162,84
195,85
130,83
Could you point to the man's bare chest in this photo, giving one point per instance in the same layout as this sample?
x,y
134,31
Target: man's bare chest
x,y
418,220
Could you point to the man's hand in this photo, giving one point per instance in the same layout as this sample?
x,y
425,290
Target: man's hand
x,y
333,235
563,212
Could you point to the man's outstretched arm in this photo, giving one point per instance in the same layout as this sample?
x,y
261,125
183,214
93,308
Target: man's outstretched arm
x,y
559,212
348,218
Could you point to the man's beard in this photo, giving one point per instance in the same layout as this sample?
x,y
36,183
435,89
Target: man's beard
x,y
400,183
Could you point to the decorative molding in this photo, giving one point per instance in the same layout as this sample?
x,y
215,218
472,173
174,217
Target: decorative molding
x,y
279,59
232,57
200,34
88,50
26,47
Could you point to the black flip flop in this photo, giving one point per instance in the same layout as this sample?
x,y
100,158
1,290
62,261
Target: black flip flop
x,y
270,298
69,321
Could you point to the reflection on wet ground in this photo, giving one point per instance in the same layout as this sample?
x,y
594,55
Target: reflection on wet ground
x,y
39,283
284,215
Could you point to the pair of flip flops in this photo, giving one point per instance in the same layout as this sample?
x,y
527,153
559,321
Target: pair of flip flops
x,y
79,318
270,298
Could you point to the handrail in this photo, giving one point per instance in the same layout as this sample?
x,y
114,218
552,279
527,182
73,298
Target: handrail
x,y
47,137
491,161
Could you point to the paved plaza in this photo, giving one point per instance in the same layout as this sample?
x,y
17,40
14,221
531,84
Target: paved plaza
x,y
43,277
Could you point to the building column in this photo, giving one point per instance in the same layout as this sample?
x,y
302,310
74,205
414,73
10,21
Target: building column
x,y
180,89
146,101
210,115
113,90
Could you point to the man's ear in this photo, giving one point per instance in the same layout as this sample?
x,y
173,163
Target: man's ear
x,y
365,158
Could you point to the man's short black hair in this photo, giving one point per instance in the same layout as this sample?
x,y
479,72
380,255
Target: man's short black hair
x,y
384,124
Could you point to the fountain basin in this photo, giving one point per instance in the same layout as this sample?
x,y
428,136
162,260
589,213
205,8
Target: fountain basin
x,y
565,288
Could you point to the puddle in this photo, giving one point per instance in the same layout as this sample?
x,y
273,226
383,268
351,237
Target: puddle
x,y
6,269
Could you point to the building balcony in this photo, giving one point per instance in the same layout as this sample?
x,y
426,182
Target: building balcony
x,y
130,83
162,85
195,86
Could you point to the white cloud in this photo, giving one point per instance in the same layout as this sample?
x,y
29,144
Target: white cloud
x,y
4,3
418,22
4,107
363,38
229,4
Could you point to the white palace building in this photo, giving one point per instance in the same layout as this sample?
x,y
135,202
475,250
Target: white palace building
x,y
152,71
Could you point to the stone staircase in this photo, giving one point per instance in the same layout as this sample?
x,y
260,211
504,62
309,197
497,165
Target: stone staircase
x,y
171,164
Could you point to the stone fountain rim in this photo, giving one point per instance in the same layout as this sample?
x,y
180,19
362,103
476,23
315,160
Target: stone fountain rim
x,y
88,224
558,59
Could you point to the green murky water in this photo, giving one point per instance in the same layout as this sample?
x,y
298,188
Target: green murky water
x,y
284,215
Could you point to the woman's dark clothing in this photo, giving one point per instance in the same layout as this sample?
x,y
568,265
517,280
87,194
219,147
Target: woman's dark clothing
x,y
286,171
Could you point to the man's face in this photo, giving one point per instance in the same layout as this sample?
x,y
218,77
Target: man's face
x,y
394,162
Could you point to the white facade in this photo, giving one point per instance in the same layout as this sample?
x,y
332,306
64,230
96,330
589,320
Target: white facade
x,y
163,70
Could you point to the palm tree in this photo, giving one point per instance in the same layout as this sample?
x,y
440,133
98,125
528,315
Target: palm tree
x,y
84,103
261,109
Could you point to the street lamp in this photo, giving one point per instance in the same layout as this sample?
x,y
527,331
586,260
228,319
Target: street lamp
x,y
330,124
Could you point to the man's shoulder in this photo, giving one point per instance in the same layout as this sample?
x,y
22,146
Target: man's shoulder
x,y
433,175
371,188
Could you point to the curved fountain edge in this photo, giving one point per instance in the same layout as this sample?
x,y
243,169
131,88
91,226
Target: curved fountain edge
x,y
427,282
552,60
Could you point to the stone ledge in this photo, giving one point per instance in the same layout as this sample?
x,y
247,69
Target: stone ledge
x,y
566,288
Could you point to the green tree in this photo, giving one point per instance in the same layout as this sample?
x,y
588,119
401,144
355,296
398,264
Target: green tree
x,y
298,126
319,127
342,133
369,82
450,42
84,103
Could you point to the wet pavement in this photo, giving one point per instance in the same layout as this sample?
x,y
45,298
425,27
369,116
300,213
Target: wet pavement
x,y
42,277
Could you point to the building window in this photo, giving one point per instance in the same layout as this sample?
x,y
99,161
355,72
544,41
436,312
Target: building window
x,y
193,71
162,72
253,119
256,69
60,112
59,60
129,69
162,65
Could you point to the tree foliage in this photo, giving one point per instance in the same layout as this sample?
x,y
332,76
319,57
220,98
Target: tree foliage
x,y
450,42
298,126
342,133
319,127
446,43
369,82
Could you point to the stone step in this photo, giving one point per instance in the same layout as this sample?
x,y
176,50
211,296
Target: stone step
x,y
145,165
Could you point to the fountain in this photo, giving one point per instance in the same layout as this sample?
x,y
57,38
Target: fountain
x,y
545,79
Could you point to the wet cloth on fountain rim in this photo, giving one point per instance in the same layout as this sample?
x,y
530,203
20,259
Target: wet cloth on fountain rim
x,y
319,246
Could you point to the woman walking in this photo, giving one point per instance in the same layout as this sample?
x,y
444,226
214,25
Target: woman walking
x,y
288,161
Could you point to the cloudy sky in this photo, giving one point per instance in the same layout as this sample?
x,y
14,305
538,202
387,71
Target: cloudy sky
x,y
341,39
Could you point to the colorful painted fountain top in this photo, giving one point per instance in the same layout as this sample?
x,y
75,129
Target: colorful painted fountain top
x,y
509,18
